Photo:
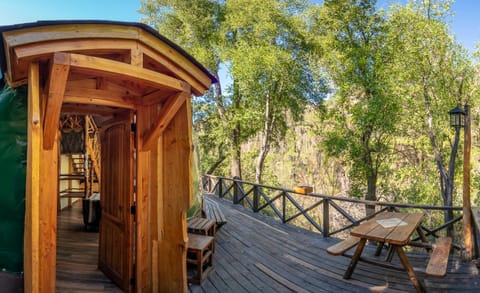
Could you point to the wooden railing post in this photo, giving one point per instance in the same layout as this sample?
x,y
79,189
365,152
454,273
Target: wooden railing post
x,y
235,192
326,217
284,207
255,198
220,185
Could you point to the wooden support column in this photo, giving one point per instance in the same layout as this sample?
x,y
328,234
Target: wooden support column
x,y
32,197
41,198
163,198
175,159
48,217
467,212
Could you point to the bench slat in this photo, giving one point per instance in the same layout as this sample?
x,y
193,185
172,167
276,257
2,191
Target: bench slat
x,y
437,265
342,246
213,212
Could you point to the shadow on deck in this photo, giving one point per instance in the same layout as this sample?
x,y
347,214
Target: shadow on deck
x,y
255,253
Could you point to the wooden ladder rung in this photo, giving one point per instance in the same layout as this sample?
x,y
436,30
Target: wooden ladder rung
x,y
342,246
437,265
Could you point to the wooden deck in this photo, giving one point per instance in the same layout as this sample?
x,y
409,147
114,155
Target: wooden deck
x,y
77,256
255,253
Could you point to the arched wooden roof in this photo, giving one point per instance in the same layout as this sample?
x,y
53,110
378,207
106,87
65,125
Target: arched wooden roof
x,y
119,44
100,68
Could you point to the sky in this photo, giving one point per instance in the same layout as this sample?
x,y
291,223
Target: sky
x,y
465,23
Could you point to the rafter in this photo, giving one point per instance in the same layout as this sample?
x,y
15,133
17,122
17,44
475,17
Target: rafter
x,y
57,81
168,111
109,68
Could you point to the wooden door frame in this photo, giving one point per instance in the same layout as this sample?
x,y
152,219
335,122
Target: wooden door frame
x,y
163,146
40,230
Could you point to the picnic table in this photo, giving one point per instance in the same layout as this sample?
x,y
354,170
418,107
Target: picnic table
x,y
390,228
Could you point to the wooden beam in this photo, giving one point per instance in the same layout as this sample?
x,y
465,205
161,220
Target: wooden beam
x,y
467,212
32,196
155,97
118,70
168,111
56,88
199,84
99,97
174,157
88,110
27,52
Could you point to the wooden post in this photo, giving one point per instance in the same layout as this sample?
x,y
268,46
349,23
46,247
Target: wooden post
x,y
255,198
326,218
220,184
467,212
284,207
32,199
235,191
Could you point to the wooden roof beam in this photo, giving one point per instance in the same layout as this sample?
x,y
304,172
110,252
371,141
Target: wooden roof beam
x,y
167,112
109,68
86,96
57,83
88,110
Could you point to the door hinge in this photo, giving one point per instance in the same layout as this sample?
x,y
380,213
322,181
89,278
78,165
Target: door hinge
x,y
133,209
133,127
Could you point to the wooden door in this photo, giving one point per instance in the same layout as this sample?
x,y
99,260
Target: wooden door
x,y
116,226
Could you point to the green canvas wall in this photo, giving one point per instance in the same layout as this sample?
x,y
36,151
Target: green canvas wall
x,y
13,161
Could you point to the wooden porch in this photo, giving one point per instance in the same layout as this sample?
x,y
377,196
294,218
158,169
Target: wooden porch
x,y
255,253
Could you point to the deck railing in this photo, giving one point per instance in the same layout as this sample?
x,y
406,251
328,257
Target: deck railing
x,y
304,209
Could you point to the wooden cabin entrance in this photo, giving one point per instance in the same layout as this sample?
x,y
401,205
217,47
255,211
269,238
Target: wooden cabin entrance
x,y
109,68
115,242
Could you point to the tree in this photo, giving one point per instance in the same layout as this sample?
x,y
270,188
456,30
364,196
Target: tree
x,y
351,35
197,27
261,44
435,74
269,60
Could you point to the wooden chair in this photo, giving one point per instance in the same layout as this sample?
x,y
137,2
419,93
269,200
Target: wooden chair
x,y
200,255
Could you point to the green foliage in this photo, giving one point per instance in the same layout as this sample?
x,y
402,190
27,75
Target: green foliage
x,y
331,95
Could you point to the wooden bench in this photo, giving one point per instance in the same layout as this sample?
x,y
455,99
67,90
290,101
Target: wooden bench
x,y
437,265
202,226
200,255
212,211
343,246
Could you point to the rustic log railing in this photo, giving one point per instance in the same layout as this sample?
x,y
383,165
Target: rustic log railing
x,y
289,206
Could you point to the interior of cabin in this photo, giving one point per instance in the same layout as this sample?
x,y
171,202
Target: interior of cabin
x,y
81,237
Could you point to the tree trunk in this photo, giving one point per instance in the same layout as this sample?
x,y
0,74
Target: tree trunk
x,y
236,166
266,135
371,192
446,176
214,166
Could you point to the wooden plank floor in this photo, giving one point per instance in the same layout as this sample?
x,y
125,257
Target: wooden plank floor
x,y
77,256
255,253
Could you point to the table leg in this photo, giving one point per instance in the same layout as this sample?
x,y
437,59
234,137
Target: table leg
x,y
354,261
391,250
411,273
423,238
379,248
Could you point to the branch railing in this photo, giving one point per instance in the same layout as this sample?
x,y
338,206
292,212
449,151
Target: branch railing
x,y
300,209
